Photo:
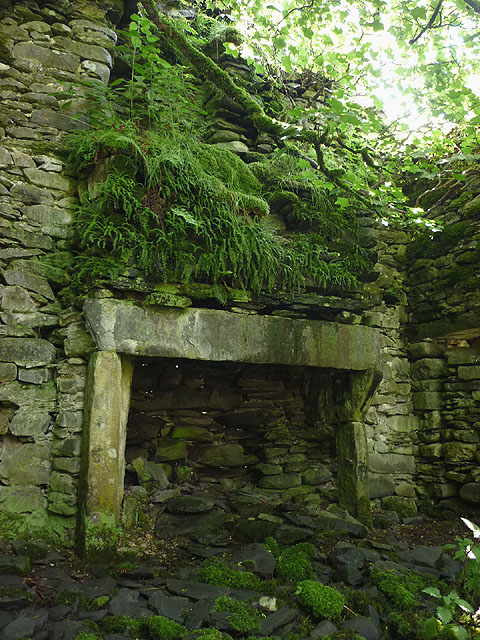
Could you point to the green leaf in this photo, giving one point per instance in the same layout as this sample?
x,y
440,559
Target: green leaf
x,y
349,119
460,632
444,614
342,202
231,49
280,43
433,591
136,41
336,105
473,527
287,63
430,628
303,164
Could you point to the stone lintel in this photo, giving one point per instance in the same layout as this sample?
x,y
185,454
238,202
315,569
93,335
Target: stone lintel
x,y
212,335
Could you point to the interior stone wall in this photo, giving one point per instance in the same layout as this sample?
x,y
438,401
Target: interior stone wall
x,y
229,426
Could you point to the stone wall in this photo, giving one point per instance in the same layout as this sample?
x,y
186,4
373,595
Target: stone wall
x,y
227,427
44,346
44,50
444,328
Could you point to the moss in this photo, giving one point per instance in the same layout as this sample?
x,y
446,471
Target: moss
x,y
121,624
321,601
244,619
161,628
404,627
217,571
293,564
401,590
71,598
272,545
101,537
434,245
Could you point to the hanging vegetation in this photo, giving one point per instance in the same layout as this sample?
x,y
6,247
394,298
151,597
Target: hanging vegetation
x,y
162,200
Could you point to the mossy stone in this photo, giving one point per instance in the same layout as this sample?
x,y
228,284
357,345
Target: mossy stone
x,y
405,507
191,433
168,449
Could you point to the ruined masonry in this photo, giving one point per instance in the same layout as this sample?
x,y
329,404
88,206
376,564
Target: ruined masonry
x,y
366,398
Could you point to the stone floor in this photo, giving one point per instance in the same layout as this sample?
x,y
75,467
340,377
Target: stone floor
x,y
45,595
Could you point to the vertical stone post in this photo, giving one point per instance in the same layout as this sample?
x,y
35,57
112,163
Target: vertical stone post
x,y
353,396
107,403
352,456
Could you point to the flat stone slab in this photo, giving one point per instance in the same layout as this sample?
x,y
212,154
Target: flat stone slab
x,y
208,334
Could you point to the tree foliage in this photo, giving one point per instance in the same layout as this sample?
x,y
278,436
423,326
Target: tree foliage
x,y
403,77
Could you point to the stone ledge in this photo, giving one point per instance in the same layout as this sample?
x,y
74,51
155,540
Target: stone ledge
x,y
207,334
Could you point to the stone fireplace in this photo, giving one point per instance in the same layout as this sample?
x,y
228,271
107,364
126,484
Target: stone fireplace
x,y
225,401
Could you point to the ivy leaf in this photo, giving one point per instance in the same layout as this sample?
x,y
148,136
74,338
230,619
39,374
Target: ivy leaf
x,y
287,63
336,105
349,119
231,49
280,43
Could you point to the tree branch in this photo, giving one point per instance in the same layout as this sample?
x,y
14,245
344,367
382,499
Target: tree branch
x,y
430,23
474,5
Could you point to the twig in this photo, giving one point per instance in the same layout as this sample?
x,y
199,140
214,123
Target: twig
x,y
429,24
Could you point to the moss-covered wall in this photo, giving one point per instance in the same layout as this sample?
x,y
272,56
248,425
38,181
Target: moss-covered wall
x,y
444,326
44,346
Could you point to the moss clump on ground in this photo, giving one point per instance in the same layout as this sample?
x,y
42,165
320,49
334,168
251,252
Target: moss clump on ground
x,y
101,537
217,571
294,563
121,624
272,545
401,590
324,603
244,619
161,628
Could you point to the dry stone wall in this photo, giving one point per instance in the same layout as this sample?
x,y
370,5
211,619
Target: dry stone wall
x,y
444,327
44,50
44,347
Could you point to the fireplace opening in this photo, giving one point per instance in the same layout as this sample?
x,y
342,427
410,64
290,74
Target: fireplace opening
x,y
221,449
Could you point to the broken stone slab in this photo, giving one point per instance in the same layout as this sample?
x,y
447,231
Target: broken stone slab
x,y
31,194
43,57
28,464
8,371
25,395
27,352
330,521
50,180
57,120
29,423
85,51
14,565
15,298
29,281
